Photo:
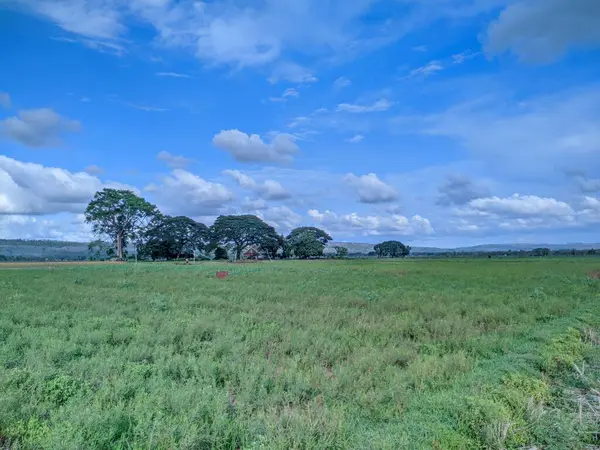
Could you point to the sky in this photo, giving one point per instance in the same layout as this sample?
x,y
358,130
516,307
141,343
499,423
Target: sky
x,y
435,122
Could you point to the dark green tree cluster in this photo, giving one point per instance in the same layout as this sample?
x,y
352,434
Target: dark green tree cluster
x,y
121,217
392,249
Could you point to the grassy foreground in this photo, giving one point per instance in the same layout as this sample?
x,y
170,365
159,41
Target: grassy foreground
x,y
328,354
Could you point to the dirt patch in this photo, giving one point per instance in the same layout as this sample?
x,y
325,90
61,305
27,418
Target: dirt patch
x,y
594,275
54,264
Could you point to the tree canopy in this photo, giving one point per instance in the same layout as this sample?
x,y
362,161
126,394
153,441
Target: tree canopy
x,y
307,242
120,215
392,249
241,231
174,237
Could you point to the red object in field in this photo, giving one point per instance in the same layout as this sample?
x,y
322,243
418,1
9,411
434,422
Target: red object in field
x,y
222,274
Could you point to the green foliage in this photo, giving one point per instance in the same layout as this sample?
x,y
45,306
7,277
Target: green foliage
x,y
307,242
119,214
173,237
341,252
300,354
221,254
563,352
242,231
392,249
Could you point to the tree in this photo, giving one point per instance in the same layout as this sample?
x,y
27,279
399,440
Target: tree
x,y
307,242
174,237
541,251
221,253
240,232
341,252
271,243
119,214
392,249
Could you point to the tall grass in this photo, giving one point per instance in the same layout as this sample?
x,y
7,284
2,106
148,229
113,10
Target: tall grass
x,y
335,354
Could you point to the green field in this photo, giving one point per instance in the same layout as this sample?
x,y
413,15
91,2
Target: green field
x,y
314,355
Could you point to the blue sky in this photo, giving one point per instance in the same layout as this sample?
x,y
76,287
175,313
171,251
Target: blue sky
x,y
436,122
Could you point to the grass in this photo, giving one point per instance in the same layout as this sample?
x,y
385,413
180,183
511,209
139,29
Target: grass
x,y
314,355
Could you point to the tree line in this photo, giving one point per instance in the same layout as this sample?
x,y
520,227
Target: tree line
x,y
125,219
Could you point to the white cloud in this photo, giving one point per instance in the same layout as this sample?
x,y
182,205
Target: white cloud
x,y
289,92
28,188
173,161
460,58
268,189
527,212
341,82
185,193
282,218
521,205
543,30
371,189
355,139
89,18
379,105
38,127
254,204
251,148
292,72
172,75
93,170
372,225
62,227
4,100
242,34
429,69
459,190
534,136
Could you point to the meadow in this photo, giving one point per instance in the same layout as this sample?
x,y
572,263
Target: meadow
x,y
353,354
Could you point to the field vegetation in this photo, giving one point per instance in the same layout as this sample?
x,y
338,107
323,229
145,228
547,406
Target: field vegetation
x,y
339,354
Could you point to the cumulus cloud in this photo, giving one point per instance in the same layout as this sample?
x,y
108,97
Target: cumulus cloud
x,y
372,225
28,188
93,170
182,192
282,218
459,190
371,189
38,127
527,212
355,139
543,30
380,105
4,100
251,148
268,189
173,161
62,227
521,205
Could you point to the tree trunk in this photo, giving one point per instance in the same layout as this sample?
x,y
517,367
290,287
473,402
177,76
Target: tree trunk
x,y
238,253
120,244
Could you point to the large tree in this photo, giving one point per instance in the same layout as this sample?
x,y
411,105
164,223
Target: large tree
x,y
240,232
392,249
307,242
174,237
119,214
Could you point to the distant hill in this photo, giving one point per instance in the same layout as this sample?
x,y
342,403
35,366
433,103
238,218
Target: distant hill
x,y
16,248
356,247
